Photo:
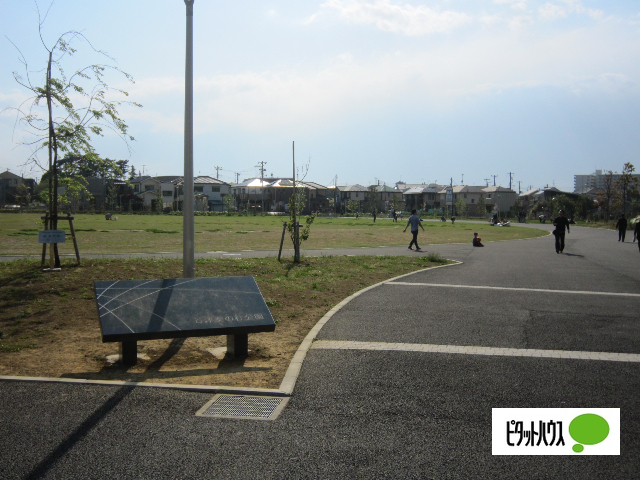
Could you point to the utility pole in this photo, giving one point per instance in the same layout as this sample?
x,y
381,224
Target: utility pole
x,y
218,172
487,180
237,174
510,178
452,211
261,167
462,181
494,179
294,204
519,190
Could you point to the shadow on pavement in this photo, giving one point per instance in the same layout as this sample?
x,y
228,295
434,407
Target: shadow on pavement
x,y
68,443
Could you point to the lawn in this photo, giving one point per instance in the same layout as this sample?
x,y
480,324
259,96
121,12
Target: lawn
x,y
163,233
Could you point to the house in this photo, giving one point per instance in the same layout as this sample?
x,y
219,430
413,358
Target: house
x,y
275,193
496,198
500,198
420,196
318,197
146,188
9,184
349,193
209,193
386,196
251,193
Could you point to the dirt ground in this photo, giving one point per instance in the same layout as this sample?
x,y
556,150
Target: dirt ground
x,y
49,322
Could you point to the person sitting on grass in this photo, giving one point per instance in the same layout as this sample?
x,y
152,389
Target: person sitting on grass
x,y
476,240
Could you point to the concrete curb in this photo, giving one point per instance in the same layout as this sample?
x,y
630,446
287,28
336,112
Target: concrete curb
x,y
291,376
286,387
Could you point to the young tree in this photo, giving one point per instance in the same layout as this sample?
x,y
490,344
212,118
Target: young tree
x,y
23,196
64,111
584,205
296,204
482,206
395,201
461,207
372,201
607,195
158,199
627,185
562,202
353,206
229,203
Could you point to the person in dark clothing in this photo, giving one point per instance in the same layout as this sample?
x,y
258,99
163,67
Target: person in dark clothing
x,y
622,227
476,240
636,232
560,223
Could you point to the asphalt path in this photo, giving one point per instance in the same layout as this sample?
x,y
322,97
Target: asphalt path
x,y
382,413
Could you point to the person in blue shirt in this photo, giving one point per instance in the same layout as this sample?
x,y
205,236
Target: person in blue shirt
x,y
415,222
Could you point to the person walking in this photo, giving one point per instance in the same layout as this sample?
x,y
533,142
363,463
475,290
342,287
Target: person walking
x,y
636,233
560,223
622,227
415,222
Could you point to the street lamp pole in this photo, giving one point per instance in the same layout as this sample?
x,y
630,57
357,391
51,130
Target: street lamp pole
x,y
188,233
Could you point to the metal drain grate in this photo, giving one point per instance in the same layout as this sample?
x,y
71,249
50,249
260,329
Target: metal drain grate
x,y
243,406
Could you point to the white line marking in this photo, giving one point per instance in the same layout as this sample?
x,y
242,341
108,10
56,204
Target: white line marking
x,y
496,351
543,290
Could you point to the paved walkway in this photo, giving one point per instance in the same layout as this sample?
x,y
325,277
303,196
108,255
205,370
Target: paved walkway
x,y
400,381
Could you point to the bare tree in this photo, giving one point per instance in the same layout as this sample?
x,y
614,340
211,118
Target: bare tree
x,y
607,195
627,185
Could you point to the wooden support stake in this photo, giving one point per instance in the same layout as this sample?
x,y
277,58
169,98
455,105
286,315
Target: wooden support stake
x,y
44,245
73,235
284,230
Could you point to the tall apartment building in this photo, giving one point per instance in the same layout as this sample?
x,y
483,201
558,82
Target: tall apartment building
x,y
585,183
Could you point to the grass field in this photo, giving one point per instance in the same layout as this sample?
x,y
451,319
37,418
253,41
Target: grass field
x,y
163,233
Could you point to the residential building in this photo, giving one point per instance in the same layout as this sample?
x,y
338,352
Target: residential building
x,y
8,185
386,195
351,192
501,199
585,183
209,193
419,196
146,190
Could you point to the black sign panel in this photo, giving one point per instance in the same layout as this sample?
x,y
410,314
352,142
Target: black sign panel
x,y
180,307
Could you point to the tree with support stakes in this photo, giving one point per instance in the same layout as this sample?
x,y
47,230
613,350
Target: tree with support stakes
x,y
65,110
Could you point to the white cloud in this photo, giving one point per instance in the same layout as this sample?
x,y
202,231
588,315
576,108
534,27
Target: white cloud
x,y
599,58
595,14
515,4
550,11
490,20
519,22
607,83
407,19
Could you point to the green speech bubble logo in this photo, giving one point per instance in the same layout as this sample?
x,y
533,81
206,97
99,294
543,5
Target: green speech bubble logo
x,y
588,429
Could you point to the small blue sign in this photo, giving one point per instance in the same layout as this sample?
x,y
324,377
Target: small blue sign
x,y
52,236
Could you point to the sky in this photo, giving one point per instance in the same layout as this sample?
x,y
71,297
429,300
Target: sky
x,y
371,91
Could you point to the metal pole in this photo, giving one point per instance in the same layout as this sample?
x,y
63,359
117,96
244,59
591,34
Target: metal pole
x,y
188,234
296,225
